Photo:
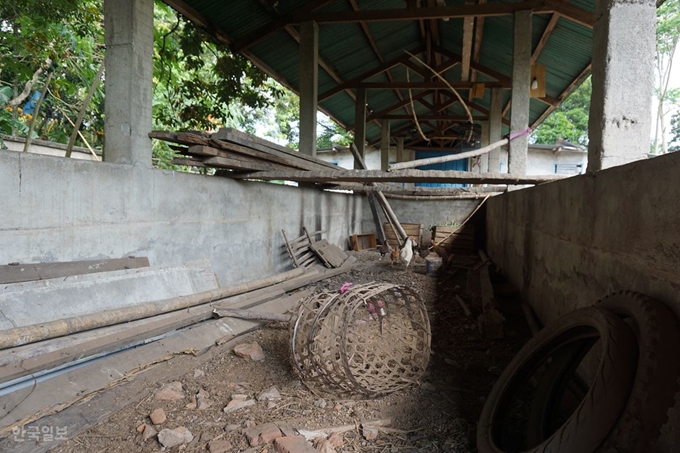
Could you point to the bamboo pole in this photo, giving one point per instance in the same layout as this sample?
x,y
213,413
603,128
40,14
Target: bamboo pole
x,y
465,155
250,314
27,143
449,158
387,209
61,327
83,109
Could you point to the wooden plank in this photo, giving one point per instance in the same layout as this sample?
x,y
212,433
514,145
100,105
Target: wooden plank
x,y
187,162
267,155
16,272
290,250
329,253
234,164
435,176
236,136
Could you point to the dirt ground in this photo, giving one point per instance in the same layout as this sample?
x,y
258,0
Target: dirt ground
x,y
438,416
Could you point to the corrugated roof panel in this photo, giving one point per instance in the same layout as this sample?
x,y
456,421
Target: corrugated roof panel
x,y
347,50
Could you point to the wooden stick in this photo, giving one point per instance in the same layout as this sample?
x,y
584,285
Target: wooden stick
x,y
36,332
36,110
250,314
83,109
463,305
464,222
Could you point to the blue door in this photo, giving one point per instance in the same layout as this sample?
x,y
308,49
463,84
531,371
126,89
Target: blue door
x,y
460,165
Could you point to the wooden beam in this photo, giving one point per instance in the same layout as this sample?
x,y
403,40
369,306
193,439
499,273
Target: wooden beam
x,y
456,119
270,28
382,113
577,81
571,12
466,58
366,176
368,74
425,85
502,78
545,37
436,12
15,273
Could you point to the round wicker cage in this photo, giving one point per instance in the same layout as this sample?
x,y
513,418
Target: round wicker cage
x,y
372,340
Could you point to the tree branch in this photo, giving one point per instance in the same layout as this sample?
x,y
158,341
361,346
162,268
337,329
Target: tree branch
x,y
27,88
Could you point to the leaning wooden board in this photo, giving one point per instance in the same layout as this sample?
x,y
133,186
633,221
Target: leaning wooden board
x,y
15,273
411,229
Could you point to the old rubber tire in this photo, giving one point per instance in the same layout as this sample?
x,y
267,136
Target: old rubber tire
x,y
656,380
593,419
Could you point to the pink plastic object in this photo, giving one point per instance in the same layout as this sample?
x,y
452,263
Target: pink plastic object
x,y
345,287
381,307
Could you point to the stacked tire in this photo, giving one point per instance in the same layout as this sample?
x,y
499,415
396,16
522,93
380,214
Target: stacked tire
x,y
626,402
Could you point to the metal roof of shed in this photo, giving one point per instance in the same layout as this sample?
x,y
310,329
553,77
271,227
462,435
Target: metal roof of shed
x,y
364,42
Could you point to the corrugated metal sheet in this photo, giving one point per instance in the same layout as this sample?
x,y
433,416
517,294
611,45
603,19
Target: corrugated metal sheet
x,y
348,51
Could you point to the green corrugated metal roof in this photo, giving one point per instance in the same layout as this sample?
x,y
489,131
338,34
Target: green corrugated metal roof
x,y
347,51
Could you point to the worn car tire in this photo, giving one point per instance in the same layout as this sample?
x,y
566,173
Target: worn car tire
x,y
590,424
656,380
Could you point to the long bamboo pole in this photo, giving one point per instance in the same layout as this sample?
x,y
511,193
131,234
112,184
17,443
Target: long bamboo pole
x,y
37,332
452,157
382,201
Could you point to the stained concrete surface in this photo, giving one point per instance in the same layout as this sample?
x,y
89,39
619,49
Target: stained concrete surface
x,y
28,303
568,243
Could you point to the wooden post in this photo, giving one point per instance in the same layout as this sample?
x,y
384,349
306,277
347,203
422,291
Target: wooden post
x,y
83,109
360,127
27,144
380,232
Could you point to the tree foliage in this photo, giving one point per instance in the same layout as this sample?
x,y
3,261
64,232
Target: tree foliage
x,y
569,121
667,38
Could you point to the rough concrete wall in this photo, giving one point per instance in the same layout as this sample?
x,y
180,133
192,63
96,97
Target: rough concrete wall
x,y
568,243
55,209
428,213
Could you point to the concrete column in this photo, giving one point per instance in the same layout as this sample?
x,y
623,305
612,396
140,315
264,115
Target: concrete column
x,y
309,85
401,155
623,59
495,128
521,80
385,145
484,158
360,124
128,82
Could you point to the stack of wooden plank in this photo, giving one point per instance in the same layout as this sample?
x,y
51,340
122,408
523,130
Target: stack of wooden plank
x,y
455,239
411,229
234,150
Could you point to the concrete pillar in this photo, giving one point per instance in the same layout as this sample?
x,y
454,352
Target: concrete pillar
x,y
385,144
623,60
309,85
128,82
484,158
401,155
521,80
360,124
495,128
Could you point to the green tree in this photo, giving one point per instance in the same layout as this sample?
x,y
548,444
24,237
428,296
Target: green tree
x,y
674,142
569,121
667,36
